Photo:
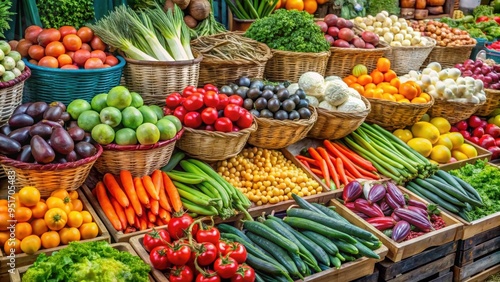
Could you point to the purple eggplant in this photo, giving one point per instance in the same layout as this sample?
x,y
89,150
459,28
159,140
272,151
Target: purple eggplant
x,y
377,208
352,191
395,217
415,219
377,193
418,210
363,206
400,231
350,206
396,194
389,199
360,214
385,208
381,222
418,204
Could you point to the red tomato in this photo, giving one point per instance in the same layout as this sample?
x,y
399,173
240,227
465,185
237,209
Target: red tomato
x,y
188,91
93,63
72,42
181,274
244,274
209,127
193,120
177,226
178,254
223,101
206,253
111,60
222,247
65,30
211,235
226,267
158,257
223,124
201,90
193,102
85,34
211,99
210,276
209,116
156,238
245,120
81,56
210,87
237,251
180,112
236,99
232,111
98,54
97,44
173,100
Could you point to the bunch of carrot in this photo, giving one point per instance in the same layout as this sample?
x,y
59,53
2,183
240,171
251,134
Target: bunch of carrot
x,y
335,162
137,203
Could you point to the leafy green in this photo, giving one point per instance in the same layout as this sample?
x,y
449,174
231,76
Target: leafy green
x,y
91,261
56,13
391,6
482,10
5,14
486,180
289,31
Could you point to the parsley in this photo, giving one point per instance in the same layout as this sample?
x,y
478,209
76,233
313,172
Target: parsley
x,y
5,14
56,13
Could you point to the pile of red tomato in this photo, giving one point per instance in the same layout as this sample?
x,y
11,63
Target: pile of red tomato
x,y
207,109
190,253
65,48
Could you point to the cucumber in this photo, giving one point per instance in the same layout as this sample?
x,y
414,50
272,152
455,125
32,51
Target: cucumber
x,y
348,257
277,252
329,212
325,243
373,245
468,188
365,251
441,193
304,204
258,277
410,187
319,228
251,248
273,236
341,257
448,178
432,197
454,192
324,267
345,247
463,214
335,261
265,267
176,157
299,263
223,227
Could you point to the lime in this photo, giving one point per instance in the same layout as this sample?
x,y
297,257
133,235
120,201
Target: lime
x,y
103,134
136,100
158,111
88,120
175,121
167,129
148,115
147,134
131,117
125,136
76,107
111,116
119,97
99,102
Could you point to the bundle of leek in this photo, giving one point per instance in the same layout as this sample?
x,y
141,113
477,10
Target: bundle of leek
x,y
150,35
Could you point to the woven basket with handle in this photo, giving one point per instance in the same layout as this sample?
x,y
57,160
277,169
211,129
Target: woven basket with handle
x,y
492,102
406,58
449,56
289,66
453,111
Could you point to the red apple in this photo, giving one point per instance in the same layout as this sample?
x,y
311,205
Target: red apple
x,y
461,125
474,139
487,141
483,124
474,121
492,130
465,133
454,129
478,132
495,152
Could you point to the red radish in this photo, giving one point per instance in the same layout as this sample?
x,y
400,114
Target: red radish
x,y
493,130
474,139
331,19
465,134
323,26
333,31
346,34
483,124
486,141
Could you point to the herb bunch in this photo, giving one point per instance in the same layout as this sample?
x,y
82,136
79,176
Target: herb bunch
x,y
56,13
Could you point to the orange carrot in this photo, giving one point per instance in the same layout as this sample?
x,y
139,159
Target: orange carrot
x,y
164,202
155,206
303,158
162,213
339,165
107,207
172,192
151,217
331,167
158,221
128,185
144,221
120,212
317,172
355,158
321,163
115,190
157,180
167,219
141,192
130,213
150,187
150,224
137,222
306,164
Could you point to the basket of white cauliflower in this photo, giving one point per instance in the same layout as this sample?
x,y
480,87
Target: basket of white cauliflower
x,y
456,98
340,108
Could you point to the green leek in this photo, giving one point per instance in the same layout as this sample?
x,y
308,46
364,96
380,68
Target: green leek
x,y
170,27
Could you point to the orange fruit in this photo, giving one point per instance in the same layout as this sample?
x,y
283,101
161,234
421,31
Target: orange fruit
x,y
408,90
395,82
294,5
310,6
383,64
358,87
364,79
377,76
390,97
350,79
72,42
390,75
64,59
23,229
426,96
49,62
369,93
370,86
390,89
418,100
399,97
29,196
55,49
404,101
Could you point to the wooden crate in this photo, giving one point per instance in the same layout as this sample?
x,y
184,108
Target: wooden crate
x,y
24,259
434,264
347,272
124,247
478,256
369,278
481,155
402,250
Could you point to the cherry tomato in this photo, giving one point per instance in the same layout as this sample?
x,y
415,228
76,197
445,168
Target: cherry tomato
x,y
173,100
201,90
232,112
206,253
244,274
178,226
237,251
209,115
181,274
158,257
211,276
192,119
180,112
194,102
236,99
188,91
245,120
223,101
223,124
156,238
209,127
210,87
178,254
222,247
211,235
225,266
211,99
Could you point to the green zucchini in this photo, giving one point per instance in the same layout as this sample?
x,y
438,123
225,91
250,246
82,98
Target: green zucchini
x,y
325,243
176,157
454,192
273,236
200,210
441,193
185,177
329,212
434,198
265,267
468,188
319,228
345,247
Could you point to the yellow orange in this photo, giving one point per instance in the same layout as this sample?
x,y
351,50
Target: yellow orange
x,y
441,154
418,100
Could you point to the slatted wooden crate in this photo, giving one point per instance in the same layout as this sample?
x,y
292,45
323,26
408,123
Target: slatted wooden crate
x,y
478,257
433,264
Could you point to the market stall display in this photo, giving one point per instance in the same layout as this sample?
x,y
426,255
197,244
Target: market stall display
x,y
481,132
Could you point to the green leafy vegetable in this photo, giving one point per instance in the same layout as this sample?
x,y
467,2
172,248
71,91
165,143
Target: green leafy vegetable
x,y
91,261
391,6
482,10
56,13
486,180
5,14
289,31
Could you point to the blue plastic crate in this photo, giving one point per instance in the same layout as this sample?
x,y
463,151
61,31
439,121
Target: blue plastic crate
x,y
221,12
493,55
480,45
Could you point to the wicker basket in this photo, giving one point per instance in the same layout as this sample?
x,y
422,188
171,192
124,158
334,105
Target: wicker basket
x,y
11,95
277,134
49,177
393,115
335,125
65,85
453,111
492,102
222,72
406,58
448,57
213,145
140,160
155,80
289,66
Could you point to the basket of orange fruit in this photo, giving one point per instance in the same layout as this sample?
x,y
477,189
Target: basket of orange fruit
x,y
394,104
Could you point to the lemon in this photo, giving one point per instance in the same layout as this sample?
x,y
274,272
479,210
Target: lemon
x,y
445,140
425,130
441,154
433,162
468,150
442,124
403,134
459,155
421,145
456,138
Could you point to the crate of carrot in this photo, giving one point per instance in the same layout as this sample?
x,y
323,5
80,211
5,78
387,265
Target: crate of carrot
x,y
130,206
333,162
